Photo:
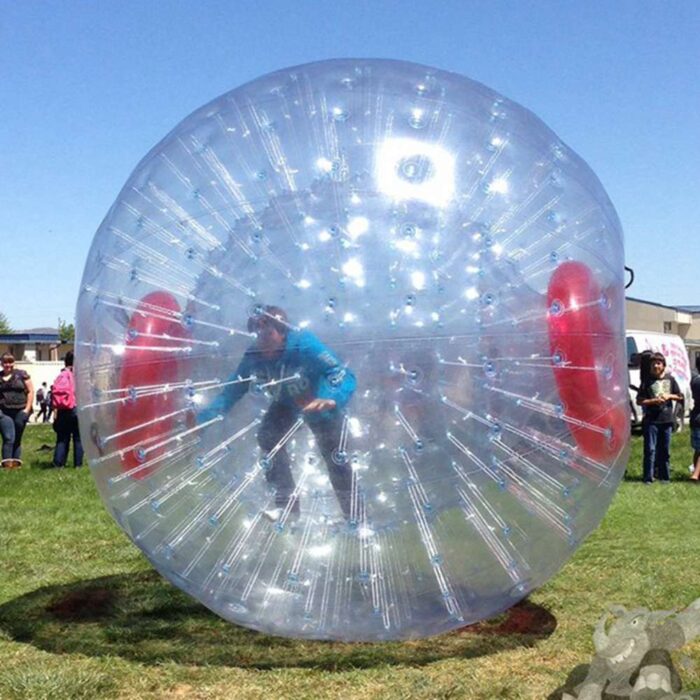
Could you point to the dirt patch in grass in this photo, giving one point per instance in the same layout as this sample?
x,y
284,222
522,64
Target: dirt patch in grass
x,y
83,605
525,618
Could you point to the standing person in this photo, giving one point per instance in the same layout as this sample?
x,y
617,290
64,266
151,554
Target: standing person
x,y
308,383
695,422
42,401
49,404
656,395
39,397
16,401
66,422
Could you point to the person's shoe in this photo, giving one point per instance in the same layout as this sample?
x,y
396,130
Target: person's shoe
x,y
664,481
273,514
11,463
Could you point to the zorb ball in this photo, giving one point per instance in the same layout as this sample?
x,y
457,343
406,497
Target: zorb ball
x,y
350,353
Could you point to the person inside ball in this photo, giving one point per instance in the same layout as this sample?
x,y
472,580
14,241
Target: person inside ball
x,y
307,381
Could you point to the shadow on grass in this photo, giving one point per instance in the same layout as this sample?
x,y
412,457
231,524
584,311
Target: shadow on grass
x,y
142,618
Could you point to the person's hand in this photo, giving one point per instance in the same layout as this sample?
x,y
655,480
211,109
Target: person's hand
x,y
318,405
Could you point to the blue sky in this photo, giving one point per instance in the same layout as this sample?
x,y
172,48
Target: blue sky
x,y
89,86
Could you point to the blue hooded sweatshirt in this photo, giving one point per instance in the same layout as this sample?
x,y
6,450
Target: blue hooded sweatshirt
x,y
309,369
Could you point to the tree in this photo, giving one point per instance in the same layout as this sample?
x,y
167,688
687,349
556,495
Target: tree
x,y
4,324
66,331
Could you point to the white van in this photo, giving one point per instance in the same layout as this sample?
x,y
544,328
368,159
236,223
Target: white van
x,y
677,364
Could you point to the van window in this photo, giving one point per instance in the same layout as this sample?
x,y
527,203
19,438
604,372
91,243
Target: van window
x,y
631,349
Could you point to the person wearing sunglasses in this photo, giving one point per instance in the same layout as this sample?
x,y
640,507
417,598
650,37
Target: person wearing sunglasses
x,y
16,401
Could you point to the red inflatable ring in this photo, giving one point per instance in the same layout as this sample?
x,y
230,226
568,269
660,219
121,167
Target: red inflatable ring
x,y
144,418
583,346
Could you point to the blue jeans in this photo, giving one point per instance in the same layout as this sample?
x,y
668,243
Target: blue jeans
x,y
66,427
657,450
12,424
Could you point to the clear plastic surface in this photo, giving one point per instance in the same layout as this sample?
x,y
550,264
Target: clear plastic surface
x,y
350,353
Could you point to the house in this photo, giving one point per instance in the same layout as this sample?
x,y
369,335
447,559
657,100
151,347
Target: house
x,y
679,320
33,345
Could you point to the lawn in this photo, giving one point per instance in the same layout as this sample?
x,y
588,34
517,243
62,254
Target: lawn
x,y
82,614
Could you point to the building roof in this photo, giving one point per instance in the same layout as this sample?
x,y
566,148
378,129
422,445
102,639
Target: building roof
x,y
682,309
47,336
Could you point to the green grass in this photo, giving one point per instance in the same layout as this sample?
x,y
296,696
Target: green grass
x,y
82,614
